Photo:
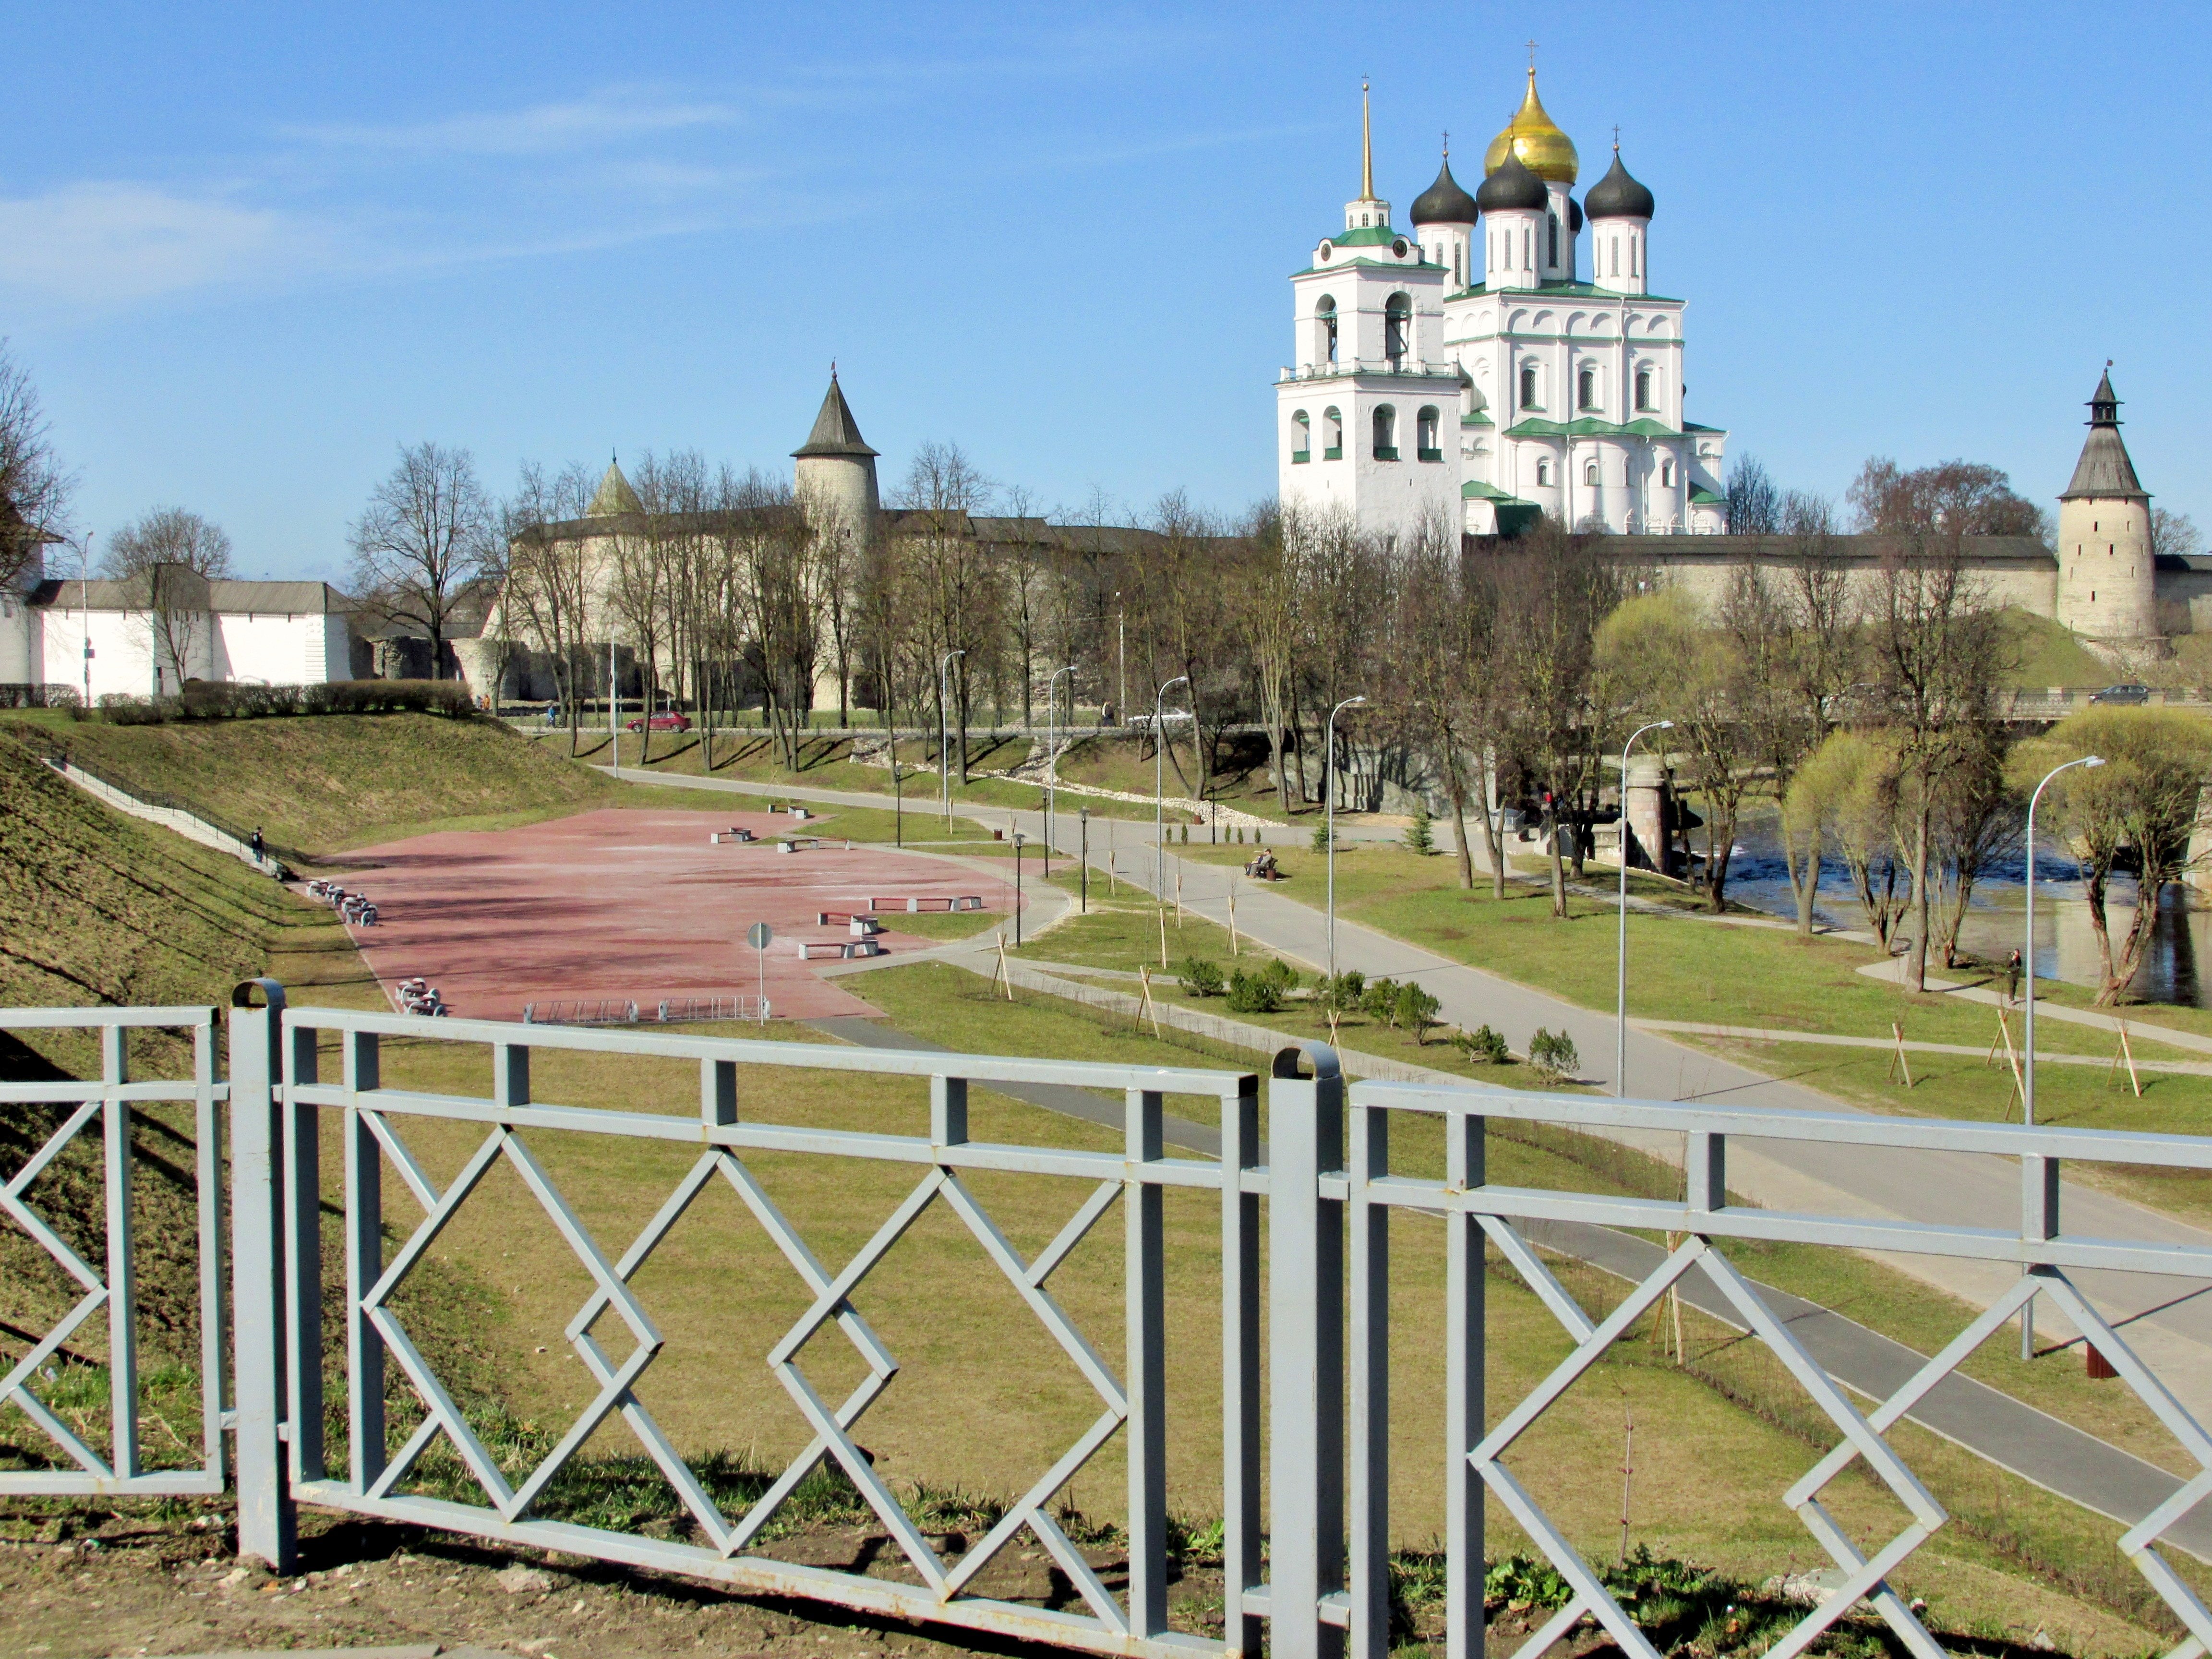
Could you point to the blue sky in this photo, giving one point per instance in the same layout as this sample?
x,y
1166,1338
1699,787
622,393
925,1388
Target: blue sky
x,y
246,250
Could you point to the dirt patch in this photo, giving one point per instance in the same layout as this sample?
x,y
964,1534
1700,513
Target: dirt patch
x,y
111,1584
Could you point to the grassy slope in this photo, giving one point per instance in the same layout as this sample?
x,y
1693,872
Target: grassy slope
x,y
317,785
2049,655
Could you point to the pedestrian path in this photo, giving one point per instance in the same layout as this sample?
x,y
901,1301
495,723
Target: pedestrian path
x,y
2150,1030
1911,1045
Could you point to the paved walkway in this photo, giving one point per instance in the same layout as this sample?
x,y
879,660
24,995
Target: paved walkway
x,y
2145,1030
1770,1034
2168,1320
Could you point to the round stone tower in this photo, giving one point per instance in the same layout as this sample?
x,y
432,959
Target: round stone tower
x,y
2106,585
834,471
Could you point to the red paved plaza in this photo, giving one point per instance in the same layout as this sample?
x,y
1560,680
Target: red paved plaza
x,y
629,904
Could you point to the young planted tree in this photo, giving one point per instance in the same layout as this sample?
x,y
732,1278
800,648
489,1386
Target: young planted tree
x,y
1277,541
427,533
2147,799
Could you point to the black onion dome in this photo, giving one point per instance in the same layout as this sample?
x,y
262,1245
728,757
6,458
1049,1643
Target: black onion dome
x,y
1445,203
1617,196
1574,216
1513,188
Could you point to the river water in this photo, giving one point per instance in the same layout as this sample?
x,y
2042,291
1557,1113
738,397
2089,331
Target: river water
x,y
2176,967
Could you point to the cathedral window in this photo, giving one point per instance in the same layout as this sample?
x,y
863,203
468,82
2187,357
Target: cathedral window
x,y
1586,390
1543,475
1386,432
1324,315
1301,437
1426,446
1525,234
1616,256
1554,258
1589,473
1666,475
1332,435
1529,386
1643,388
1397,319
1634,268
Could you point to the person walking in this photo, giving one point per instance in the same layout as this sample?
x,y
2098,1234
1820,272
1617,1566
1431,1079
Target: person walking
x,y
2012,979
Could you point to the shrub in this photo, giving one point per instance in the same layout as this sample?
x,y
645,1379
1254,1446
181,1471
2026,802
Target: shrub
x,y
1343,993
1554,1056
222,700
1201,978
1321,836
1281,976
1254,994
1420,834
1380,1000
1483,1045
1415,1009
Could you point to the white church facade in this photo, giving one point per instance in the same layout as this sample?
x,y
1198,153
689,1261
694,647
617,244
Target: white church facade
x,y
1467,370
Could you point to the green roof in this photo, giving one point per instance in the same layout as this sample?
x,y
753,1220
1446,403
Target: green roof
x,y
1473,491
1692,425
1567,291
1368,236
1589,427
1701,496
1477,418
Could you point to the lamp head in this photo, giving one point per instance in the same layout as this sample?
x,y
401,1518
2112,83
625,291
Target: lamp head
x,y
1665,725
2092,760
1353,702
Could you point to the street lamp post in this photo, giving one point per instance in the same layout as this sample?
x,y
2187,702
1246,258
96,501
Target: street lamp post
x,y
2027,956
2027,1017
1620,1031
1328,784
944,735
1052,750
1159,786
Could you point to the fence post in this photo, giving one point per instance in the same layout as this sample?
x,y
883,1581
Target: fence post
x,y
1241,1396
1305,1338
267,1523
1465,1350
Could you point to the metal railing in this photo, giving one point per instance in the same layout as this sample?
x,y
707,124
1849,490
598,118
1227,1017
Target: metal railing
x,y
277,1060
1472,1208
1331,1195
109,1101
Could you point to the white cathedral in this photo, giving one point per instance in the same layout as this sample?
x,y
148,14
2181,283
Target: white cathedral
x,y
1465,369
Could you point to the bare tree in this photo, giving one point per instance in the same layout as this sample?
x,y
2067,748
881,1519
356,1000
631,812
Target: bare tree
x,y
1939,651
1953,498
1443,640
2174,534
1278,541
427,533
1754,504
165,559
168,535
954,589
544,595
35,491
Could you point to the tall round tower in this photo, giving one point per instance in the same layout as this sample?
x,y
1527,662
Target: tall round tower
x,y
2106,585
834,470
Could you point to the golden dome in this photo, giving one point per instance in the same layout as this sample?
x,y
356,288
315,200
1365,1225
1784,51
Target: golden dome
x,y
1536,138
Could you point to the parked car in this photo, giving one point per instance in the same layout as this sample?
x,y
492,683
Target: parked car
x,y
670,721
2122,694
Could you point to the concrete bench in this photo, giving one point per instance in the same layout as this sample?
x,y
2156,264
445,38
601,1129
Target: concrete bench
x,y
862,925
830,950
797,843
915,906
740,836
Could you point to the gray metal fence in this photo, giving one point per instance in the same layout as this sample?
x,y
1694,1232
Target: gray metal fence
x,y
108,1101
1330,1194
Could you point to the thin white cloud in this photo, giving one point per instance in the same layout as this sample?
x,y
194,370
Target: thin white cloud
x,y
603,117
100,243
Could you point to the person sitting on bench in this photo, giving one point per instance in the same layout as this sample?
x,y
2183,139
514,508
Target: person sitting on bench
x,y
1262,866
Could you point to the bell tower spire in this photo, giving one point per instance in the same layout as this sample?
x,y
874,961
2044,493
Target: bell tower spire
x,y
1366,211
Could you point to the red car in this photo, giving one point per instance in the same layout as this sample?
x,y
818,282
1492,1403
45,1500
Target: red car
x,y
668,722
